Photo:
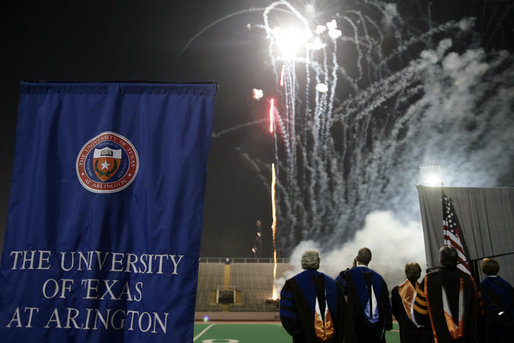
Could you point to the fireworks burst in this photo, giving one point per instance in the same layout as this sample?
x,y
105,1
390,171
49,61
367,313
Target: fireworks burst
x,y
365,99
368,91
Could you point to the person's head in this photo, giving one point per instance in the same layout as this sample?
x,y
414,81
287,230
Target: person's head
x,y
412,271
363,256
490,266
448,256
310,259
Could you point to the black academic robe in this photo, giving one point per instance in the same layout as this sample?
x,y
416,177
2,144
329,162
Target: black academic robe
x,y
311,299
447,302
368,310
401,303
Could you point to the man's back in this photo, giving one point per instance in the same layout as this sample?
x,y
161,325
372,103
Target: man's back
x,y
368,312
497,312
311,304
450,305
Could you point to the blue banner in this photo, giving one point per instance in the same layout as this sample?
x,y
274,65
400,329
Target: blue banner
x,y
105,212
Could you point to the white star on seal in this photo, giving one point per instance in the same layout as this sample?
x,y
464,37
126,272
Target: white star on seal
x,y
105,165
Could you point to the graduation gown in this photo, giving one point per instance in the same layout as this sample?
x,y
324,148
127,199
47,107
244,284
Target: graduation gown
x,y
497,312
402,297
368,310
311,308
447,302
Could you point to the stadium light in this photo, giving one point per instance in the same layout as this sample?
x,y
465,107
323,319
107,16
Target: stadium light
x,y
431,175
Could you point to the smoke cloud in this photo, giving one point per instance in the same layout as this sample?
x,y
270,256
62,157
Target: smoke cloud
x,y
392,241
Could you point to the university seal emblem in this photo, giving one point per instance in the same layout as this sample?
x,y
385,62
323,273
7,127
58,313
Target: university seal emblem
x,y
107,163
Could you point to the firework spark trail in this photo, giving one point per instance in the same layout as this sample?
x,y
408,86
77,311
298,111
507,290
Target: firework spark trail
x,y
357,47
419,39
271,115
206,28
287,123
238,127
333,85
291,123
274,229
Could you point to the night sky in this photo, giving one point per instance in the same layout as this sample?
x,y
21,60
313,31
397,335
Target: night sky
x,y
96,41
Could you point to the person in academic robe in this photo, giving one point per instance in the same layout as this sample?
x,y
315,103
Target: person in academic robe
x,y
368,309
497,305
402,297
311,304
447,302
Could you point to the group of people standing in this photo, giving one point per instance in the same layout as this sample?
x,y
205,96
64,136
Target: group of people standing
x,y
447,306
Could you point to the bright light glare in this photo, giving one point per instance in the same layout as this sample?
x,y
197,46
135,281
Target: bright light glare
x,y
316,44
257,94
291,41
431,175
322,88
320,29
333,32
433,180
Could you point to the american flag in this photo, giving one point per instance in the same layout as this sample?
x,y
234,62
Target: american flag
x,y
452,234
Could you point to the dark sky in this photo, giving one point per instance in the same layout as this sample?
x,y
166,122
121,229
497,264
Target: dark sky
x,y
151,40
142,40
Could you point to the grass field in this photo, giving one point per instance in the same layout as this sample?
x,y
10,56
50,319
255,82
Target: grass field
x,y
221,332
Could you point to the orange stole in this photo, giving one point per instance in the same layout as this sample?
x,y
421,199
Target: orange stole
x,y
456,331
430,311
407,292
324,331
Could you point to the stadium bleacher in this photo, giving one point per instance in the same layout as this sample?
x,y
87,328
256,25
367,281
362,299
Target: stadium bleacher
x,y
250,278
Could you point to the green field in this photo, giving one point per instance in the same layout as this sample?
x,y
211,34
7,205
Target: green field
x,y
254,333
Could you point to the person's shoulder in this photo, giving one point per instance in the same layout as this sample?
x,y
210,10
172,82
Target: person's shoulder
x,y
486,280
360,269
499,278
377,274
300,274
464,274
468,279
395,289
295,277
342,273
345,271
326,276
286,287
328,279
288,281
502,280
495,279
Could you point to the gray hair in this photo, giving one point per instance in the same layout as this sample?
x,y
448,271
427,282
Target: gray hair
x,y
310,259
448,256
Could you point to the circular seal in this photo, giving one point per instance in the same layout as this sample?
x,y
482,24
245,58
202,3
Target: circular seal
x,y
107,163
